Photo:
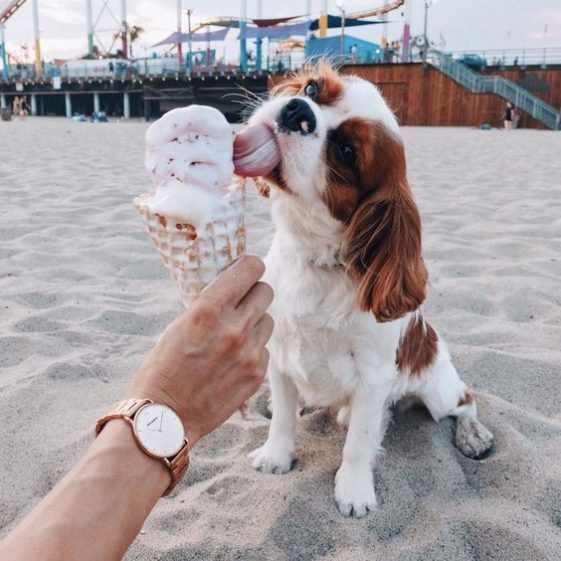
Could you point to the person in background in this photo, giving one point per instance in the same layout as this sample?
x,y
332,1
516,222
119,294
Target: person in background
x,y
515,117
508,114
206,364
16,106
397,50
24,108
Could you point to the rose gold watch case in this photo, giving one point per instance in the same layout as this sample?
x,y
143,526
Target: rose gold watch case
x,y
137,437
127,411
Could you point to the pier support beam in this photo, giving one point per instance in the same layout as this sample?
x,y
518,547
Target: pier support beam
x,y
96,103
5,70
259,46
68,105
33,105
179,44
36,33
243,41
89,27
124,29
126,105
323,20
406,48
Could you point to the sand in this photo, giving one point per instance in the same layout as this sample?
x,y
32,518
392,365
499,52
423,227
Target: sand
x,y
83,297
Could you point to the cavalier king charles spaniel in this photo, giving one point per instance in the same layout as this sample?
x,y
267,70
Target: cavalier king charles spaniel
x,y
347,269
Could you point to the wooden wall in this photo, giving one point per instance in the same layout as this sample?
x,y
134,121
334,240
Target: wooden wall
x,y
542,82
426,97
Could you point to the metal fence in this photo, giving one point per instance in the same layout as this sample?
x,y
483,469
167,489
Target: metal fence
x,y
515,57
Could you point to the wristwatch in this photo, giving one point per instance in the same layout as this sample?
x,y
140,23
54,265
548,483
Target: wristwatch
x,y
158,432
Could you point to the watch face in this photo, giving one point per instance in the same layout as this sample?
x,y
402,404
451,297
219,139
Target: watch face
x,y
159,430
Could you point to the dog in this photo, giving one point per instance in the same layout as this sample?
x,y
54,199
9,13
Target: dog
x,y
348,273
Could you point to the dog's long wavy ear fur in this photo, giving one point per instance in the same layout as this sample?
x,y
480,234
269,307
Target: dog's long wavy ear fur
x,y
383,239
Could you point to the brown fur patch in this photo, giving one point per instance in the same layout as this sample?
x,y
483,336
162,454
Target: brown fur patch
x,y
262,187
329,83
468,399
382,246
418,347
379,158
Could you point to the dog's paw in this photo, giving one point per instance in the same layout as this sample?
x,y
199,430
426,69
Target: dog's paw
x,y
472,438
354,491
273,457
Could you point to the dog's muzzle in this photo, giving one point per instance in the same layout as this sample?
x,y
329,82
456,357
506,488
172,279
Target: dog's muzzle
x,y
297,116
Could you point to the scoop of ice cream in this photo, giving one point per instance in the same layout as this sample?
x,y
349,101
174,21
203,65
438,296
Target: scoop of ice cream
x,y
192,145
189,158
256,152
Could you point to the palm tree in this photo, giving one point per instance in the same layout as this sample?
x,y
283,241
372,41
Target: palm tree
x,y
134,34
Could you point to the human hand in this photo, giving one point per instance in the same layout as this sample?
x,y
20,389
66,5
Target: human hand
x,y
213,357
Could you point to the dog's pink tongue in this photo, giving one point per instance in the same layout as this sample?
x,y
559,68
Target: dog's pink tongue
x,y
255,151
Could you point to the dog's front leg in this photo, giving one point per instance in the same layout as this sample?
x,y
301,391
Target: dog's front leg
x,y
354,484
277,454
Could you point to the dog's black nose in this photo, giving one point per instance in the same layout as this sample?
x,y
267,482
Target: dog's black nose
x,y
297,115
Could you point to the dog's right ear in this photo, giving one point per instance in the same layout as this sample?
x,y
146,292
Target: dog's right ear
x,y
382,246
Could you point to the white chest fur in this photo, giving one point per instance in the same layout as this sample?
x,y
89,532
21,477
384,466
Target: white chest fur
x,y
321,341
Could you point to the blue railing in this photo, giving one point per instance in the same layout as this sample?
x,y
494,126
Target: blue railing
x,y
501,58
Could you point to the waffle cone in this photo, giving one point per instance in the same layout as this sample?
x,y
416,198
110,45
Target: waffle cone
x,y
195,256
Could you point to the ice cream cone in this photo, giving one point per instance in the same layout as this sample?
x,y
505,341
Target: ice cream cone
x,y
195,256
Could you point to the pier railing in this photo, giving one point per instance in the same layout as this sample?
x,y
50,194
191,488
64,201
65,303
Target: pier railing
x,y
501,58
520,97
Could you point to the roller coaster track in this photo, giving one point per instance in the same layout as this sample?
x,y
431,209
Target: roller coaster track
x,y
377,11
10,9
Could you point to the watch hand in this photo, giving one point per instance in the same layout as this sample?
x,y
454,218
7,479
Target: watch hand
x,y
154,419
161,420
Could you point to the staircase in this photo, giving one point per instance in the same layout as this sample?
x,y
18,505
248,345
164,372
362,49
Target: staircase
x,y
508,90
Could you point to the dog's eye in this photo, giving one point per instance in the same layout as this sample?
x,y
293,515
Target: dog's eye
x,y
346,152
311,90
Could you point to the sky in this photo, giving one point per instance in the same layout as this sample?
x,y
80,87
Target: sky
x,y
462,24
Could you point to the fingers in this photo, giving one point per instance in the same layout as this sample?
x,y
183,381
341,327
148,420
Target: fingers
x,y
255,303
262,331
241,389
264,361
234,283
253,355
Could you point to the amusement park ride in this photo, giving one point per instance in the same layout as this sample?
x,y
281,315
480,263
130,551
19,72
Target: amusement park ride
x,y
8,10
5,14
161,82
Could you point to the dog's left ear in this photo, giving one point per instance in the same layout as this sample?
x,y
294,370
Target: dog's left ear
x,y
382,246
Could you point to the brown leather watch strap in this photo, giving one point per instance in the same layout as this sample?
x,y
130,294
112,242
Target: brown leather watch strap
x,y
126,410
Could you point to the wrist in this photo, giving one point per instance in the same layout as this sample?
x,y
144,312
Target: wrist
x,y
116,446
157,431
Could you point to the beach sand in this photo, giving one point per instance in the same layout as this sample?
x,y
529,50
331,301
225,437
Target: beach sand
x,y
83,297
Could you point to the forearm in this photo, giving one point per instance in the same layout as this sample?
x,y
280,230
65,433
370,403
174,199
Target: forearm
x,y
99,507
